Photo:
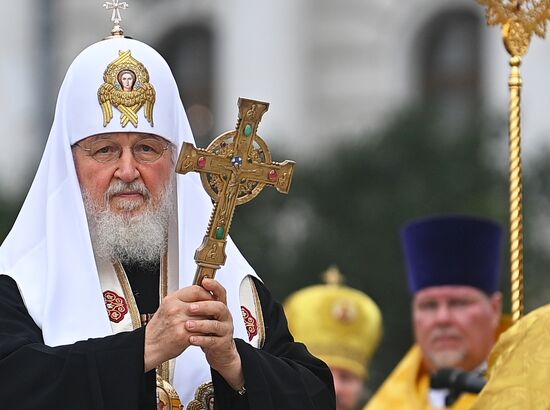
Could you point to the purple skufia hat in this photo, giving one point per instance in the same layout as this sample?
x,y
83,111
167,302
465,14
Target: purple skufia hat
x,y
453,250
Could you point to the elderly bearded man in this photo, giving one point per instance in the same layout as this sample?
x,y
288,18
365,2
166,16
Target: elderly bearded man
x,y
453,265
96,292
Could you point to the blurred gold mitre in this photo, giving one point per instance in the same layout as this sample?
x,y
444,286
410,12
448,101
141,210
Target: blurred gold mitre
x,y
340,325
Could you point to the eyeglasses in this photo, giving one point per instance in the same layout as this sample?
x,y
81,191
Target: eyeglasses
x,y
145,151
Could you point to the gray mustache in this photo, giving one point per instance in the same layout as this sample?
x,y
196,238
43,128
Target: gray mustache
x,y
119,187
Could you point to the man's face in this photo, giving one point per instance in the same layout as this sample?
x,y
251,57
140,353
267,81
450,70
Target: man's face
x,y
455,325
349,388
95,177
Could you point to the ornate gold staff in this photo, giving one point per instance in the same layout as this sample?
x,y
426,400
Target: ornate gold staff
x,y
234,169
519,20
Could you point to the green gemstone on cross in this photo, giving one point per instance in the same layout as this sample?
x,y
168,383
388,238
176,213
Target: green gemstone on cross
x,y
248,130
220,232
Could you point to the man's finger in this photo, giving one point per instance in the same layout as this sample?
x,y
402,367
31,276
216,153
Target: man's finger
x,y
213,309
193,293
215,287
207,327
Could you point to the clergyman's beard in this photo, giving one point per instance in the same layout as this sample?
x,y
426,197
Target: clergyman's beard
x,y
449,358
446,357
129,238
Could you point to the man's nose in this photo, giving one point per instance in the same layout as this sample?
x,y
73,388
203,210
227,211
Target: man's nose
x,y
127,167
443,313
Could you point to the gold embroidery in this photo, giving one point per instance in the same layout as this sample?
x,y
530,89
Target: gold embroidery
x,y
145,318
166,394
167,397
126,87
344,311
204,398
259,314
128,295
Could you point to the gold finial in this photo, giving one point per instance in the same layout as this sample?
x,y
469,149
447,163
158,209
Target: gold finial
x,y
333,276
519,20
116,18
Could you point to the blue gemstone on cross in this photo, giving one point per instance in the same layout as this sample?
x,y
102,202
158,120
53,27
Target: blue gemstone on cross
x,y
236,161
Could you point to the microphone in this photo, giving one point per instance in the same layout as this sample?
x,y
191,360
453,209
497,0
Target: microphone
x,y
458,380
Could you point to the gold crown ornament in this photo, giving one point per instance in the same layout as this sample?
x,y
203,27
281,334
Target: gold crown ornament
x,y
340,325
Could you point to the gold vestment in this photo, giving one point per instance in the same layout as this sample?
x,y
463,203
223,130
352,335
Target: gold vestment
x,y
519,366
406,388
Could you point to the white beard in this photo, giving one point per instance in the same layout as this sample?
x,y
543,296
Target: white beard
x,y
448,358
141,238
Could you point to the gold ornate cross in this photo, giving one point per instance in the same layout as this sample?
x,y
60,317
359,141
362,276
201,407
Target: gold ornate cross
x,y
520,19
234,169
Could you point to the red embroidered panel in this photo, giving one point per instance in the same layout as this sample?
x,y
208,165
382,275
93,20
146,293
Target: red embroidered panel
x,y
116,306
250,323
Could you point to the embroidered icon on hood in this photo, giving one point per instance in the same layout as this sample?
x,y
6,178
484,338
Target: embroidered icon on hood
x,y
126,87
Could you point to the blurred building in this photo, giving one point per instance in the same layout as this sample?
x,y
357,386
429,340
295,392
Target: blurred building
x,y
330,69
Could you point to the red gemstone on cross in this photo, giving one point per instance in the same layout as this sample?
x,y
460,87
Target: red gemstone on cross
x,y
201,162
272,175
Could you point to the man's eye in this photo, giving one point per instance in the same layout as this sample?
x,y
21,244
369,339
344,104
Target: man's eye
x,y
104,151
428,306
460,303
148,148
